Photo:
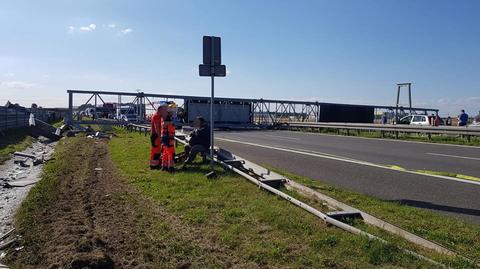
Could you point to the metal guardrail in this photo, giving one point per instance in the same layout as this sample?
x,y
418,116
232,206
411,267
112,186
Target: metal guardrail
x,y
429,130
396,129
145,129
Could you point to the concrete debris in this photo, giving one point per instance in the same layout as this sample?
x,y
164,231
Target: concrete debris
x,y
98,135
25,155
7,234
18,175
8,243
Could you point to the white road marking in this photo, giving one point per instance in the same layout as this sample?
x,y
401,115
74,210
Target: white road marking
x,y
337,158
453,156
277,136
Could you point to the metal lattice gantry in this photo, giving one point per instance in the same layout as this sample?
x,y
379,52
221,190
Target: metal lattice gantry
x,y
142,105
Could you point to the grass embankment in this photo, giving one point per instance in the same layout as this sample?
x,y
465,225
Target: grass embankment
x,y
14,140
442,139
262,228
455,234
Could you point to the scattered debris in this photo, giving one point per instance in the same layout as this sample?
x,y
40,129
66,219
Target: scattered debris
x,y
7,243
17,176
7,234
41,128
98,135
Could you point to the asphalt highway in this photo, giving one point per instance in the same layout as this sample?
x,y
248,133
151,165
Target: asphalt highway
x,y
356,164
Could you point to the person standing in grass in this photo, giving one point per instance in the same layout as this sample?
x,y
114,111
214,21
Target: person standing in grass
x,y
168,144
155,135
462,118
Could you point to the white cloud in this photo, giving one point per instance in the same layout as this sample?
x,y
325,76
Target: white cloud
x,y
105,27
88,28
16,84
126,31
9,74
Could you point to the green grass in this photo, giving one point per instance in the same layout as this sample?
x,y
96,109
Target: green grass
x,y
455,234
57,123
261,227
443,139
14,140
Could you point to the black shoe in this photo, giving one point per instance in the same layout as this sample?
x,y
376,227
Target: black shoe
x,y
164,168
171,169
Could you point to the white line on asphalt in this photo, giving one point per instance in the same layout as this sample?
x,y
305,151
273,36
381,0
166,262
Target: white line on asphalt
x,y
277,136
325,156
453,156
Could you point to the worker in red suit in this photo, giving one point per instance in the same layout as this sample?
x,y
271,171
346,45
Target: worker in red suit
x,y
155,136
168,144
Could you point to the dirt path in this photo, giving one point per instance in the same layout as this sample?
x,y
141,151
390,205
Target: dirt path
x,y
96,220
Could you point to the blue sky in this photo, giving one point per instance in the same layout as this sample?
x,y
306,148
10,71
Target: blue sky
x,y
337,51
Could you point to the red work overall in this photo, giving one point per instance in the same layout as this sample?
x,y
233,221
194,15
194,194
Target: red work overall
x,y
155,133
168,144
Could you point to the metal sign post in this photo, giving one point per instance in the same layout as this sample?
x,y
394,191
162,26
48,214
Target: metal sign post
x,y
212,67
212,75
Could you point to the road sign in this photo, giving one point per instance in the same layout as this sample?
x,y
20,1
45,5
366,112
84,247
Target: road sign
x,y
218,70
212,54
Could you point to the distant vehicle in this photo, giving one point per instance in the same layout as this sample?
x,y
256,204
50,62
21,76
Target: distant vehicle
x,y
129,117
475,125
415,120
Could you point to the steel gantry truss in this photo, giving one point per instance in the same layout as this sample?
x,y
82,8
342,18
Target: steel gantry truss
x,y
262,111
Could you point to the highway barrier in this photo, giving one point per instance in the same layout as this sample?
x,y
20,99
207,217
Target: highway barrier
x,y
466,131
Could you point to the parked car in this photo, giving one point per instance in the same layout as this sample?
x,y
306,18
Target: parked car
x,y
415,120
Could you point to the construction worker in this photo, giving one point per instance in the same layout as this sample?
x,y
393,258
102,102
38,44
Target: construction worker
x,y
155,136
168,144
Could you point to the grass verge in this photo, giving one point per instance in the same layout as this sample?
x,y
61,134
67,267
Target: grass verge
x,y
455,234
14,140
268,231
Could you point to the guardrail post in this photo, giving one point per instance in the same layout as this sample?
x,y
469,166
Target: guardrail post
x,y
429,136
396,134
468,138
348,131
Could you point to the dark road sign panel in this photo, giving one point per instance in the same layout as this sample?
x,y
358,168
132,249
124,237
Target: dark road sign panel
x,y
212,47
218,70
